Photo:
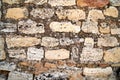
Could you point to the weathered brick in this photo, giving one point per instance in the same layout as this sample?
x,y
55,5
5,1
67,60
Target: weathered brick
x,y
30,27
91,54
37,2
42,13
71,14
62,2
57,54
14,75
95,14
12,1
108,41
64,27
35,53
112,55
2,52
17,53
19,41
49,42
111,11
115,31
17,13
90,27
97,72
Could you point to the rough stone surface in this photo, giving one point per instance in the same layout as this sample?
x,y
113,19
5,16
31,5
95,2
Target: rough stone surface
x,y
57,54
42,13
95,14
94,3
111,11
16,13
97,72
14,75
66,41
115,2
11,1
115,31
49,42
76,76
19,41
37,2
90,27
2,52
91,54
35,54
17,53
8,66
71,14
89,42
61,2
112,55
30,27
104,28
8,27
108,41
64,27
75,53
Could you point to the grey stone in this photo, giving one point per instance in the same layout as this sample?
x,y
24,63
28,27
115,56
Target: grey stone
x,y
14,75
115,2
75,53
66,41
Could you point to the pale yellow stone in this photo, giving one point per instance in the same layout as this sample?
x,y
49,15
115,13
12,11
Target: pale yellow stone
x,y
104,30
57,54
11,1
112,55
19,41
115,31
64,27
89,42
16,13
111,11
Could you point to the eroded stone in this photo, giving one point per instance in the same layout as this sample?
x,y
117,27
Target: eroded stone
x,y
37,2
50,42
42,13
66,41
91,54
19,41
12,1
112,55
64,27
35,53
57,54
104,28
17,13
115,2
61,2
89,42
115,31
30,27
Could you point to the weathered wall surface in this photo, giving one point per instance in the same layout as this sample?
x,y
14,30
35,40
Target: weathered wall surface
x,y
59,39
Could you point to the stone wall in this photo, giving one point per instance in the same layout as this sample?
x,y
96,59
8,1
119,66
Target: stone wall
x,y
59,40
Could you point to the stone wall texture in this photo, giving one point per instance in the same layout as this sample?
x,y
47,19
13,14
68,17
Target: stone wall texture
x,y
59,39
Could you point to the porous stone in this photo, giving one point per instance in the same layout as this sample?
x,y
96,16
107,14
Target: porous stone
x,y
91,54
112,55
17,53
62,2
12,1
108,41
90,27
115,31
19,41
89,42
57,54
115,2
35,53
15,75
66,41
2,52
97,72
111,11
17,13
42,13
95,3
95,14
8,27
7,66
30,27
71,14
64,27
37,2
49,42
104,28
